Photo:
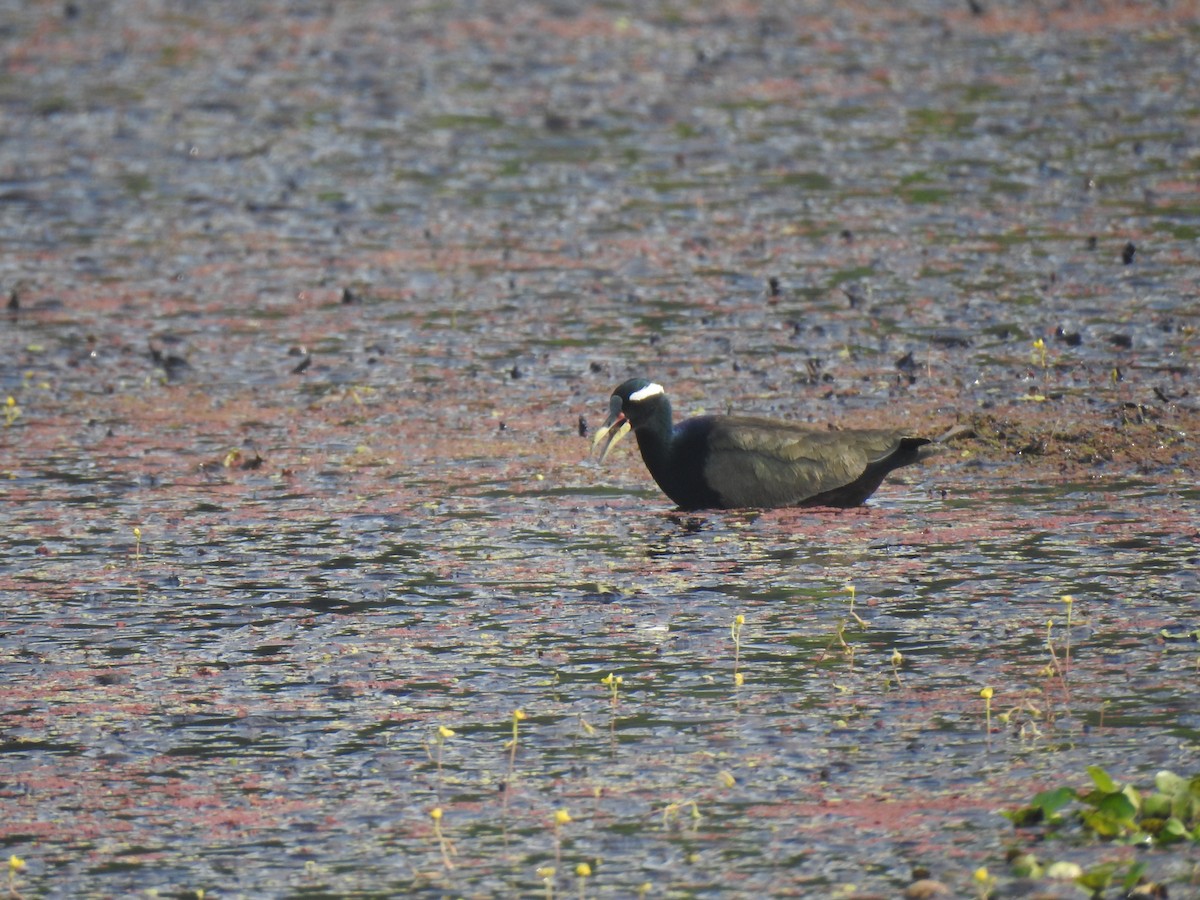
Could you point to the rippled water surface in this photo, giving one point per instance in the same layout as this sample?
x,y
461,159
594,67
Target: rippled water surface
x,y
311,305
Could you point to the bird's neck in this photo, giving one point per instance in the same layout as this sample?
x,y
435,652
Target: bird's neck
x,y
654,439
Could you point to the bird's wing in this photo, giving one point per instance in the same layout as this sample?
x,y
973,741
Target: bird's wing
x,y
760,462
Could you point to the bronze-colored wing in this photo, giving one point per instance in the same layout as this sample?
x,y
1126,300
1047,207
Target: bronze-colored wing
x,y
766,463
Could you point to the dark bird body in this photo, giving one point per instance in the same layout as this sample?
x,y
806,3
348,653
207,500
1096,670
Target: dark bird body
x,y
730,462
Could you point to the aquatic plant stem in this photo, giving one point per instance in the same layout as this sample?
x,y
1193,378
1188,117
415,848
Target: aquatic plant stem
x,y
440,742
987,694
511,746
15,865
584,871
561,817
857,618
613,682
984,883
444,845
735,632
1055,667
1069,601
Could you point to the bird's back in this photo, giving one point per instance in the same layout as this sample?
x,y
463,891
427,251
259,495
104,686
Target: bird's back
x,y
767,462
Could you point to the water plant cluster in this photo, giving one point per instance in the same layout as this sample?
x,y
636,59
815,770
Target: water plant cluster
x,y
1109,811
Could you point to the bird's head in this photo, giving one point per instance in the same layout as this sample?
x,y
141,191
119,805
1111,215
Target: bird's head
x,y
633,403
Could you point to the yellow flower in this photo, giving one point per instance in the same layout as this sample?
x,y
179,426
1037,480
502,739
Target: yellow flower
x,y
15,863
518,715
583,870
981,875
436,814
986,693
561,817
445,732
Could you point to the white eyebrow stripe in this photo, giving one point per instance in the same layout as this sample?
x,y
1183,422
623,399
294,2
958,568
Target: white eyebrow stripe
x,y
650,390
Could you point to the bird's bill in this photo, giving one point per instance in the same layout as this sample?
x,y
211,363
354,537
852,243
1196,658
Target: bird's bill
x,y
615,427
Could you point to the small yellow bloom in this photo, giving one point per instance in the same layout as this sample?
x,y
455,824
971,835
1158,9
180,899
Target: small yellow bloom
x,y
739,679
561,817
518,715
897,658
15,863
727,778
739,620
981,875
546,872
583,870
436,814
1068,599
986,693
445,732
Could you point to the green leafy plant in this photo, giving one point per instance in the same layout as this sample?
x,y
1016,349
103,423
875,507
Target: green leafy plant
x,y
1111,811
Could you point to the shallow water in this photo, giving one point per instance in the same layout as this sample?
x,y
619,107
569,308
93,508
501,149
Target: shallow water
x,y
366,515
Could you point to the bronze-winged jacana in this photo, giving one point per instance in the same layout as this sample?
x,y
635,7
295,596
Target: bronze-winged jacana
x,y
732,462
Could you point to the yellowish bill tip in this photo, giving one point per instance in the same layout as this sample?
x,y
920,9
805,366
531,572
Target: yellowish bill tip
x,y
616,439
